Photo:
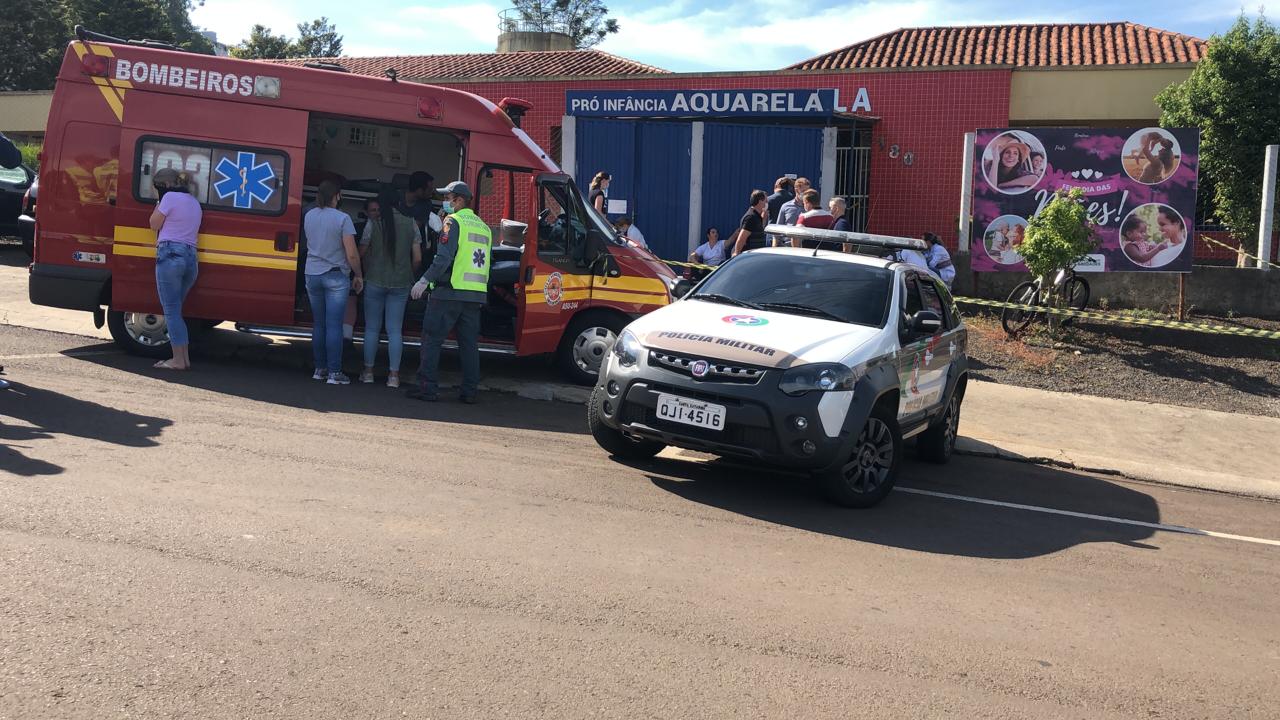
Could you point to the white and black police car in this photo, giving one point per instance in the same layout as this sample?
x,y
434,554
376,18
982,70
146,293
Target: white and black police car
x,y
802,357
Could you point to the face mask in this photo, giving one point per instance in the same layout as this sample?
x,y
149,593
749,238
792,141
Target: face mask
x,y
446,206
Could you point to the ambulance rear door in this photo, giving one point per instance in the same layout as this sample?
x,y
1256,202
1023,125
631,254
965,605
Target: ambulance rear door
x,y
246,162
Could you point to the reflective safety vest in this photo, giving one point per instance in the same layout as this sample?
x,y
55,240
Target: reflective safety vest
x,y
471,263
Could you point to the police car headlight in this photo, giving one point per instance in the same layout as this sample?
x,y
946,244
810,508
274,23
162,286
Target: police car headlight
x,y
817,377
627,349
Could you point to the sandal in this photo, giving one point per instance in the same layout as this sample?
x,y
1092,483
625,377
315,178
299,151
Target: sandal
x,y
168,365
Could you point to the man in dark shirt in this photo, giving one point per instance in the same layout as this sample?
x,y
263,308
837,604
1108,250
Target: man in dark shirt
x,y
781,194
838,210
417,205
750,234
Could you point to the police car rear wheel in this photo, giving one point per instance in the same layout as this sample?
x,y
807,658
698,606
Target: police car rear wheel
x,y
938,442
142,334
872,469
613,441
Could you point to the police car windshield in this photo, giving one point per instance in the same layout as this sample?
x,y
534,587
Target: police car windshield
x,y
805,285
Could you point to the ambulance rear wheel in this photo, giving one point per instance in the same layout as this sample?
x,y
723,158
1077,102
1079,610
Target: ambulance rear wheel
x,y
586,343
142,334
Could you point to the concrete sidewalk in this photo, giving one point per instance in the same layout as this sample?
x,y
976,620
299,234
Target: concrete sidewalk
x,y
1168,444
1159,443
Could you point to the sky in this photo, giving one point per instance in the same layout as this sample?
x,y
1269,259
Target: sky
x,y
694,35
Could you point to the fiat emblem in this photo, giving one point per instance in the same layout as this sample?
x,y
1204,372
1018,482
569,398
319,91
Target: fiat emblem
x,y
700,368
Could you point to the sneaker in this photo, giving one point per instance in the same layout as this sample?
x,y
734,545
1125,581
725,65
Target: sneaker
x,y
472,399
366,376
393,381
339,378
420,393
320,375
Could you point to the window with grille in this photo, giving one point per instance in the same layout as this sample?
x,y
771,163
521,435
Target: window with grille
x,y
359,136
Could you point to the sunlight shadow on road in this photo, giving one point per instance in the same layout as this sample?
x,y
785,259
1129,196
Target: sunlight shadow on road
x,y
47,414
929,524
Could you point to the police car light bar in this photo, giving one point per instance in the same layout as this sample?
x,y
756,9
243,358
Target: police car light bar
x,y
843,237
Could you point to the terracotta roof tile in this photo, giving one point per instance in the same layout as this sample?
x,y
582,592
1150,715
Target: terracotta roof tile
x,y
1079,45
486,66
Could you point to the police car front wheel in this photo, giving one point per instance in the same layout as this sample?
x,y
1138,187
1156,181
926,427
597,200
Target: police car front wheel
x,y
870,471
613,441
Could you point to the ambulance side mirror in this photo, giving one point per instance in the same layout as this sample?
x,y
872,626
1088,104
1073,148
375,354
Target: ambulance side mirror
x,y
681,288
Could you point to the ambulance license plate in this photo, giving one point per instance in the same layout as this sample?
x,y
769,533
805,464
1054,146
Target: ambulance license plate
x,y
690,412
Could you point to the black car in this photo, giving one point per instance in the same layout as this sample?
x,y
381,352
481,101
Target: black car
x,y
13,186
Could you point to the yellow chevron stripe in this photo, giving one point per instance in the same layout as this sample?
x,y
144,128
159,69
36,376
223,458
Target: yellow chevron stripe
x,y
209,243
103,50
113,100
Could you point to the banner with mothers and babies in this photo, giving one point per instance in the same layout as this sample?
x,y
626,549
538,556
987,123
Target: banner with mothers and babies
x,y
1139,185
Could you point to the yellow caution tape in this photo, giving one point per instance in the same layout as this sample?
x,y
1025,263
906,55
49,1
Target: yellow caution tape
x,y
1108,317
1238,251
677,263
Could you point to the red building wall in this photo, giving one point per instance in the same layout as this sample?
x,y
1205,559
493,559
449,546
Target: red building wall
x,y
924,113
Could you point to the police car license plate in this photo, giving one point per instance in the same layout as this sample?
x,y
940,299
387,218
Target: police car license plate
x,y
690,412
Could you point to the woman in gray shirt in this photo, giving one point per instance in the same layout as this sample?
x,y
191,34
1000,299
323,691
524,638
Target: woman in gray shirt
x,y
331,260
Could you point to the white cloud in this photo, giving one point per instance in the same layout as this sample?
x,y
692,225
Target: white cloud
x,y
752,35
232,19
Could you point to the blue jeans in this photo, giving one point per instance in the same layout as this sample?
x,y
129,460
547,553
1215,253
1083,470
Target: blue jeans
x,y
176,270
440,317
328,293
380,302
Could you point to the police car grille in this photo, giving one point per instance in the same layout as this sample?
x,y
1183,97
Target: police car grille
x,y
718,371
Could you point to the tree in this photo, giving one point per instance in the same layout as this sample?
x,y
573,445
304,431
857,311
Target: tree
x,y
1233,96
587,22
36,32
317,39
35,37
262,45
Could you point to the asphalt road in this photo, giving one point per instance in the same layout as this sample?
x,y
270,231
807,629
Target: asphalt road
x,y
240,542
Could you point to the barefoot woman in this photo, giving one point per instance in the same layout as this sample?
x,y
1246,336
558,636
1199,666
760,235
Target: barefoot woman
x,y
176,221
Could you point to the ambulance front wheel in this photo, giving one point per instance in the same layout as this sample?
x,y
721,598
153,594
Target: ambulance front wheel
x,y
142,334
586,344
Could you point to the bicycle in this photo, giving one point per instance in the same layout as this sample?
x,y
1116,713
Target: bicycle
x,y
1066,284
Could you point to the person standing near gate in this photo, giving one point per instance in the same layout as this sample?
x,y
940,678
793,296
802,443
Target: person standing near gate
x,y
459,280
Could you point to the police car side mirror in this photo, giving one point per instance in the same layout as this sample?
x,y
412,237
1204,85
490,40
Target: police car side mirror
x,y
925,322
681,288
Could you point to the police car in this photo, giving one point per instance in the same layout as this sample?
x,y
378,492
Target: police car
x,y
811,359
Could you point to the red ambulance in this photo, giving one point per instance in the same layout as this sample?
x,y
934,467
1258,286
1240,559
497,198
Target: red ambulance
x,y
257,138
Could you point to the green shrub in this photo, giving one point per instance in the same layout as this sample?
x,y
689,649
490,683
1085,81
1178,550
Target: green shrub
x,y
1059,235
30,154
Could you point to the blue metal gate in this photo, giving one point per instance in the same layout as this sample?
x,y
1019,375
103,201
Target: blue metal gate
x,y
649,164
740,158
661,206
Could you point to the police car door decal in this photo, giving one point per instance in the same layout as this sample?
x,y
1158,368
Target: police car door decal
x,y
923,363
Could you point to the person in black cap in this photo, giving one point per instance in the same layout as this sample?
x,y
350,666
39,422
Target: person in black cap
x,y
459,280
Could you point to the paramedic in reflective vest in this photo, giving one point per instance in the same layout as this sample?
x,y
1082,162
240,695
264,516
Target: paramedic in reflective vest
x,y
458,279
